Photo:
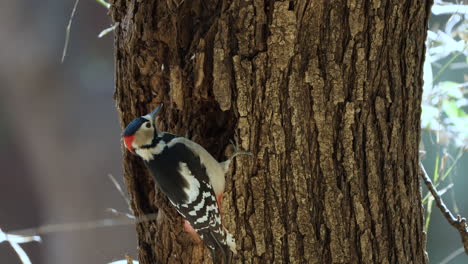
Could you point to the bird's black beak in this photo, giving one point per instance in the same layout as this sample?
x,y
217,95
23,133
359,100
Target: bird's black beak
x,y
152,115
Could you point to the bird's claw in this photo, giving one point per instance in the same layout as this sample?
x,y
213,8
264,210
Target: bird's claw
x,y
236,152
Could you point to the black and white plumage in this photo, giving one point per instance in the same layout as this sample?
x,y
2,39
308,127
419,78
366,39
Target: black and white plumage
x,y
188,175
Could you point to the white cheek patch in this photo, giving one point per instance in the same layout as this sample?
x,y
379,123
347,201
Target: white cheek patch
x,y
143,136
193,188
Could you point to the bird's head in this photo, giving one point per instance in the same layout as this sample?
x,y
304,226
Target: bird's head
x,y
141,131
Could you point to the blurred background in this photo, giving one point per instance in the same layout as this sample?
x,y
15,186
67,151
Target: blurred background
x,y
444,121
60,138
59,134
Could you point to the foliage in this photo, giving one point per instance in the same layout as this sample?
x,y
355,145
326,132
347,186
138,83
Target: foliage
x,y
444,116
444,102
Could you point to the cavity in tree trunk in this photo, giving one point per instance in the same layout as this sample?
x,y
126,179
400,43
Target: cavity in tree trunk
x,y
326,94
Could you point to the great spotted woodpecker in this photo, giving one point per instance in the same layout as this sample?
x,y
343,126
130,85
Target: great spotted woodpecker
x,y
188,175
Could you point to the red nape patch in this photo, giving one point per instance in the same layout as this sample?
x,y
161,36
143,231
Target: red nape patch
x,y
128,143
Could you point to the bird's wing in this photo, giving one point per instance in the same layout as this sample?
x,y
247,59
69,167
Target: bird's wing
x,y
200,207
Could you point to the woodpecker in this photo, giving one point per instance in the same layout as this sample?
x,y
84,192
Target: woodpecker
x,y
191,178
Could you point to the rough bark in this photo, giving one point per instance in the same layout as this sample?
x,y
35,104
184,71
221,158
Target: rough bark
x,y
326,94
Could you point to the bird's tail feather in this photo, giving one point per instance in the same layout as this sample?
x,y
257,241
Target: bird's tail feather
x,y
219,240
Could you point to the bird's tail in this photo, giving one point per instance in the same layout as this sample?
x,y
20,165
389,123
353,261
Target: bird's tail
x,y
219,240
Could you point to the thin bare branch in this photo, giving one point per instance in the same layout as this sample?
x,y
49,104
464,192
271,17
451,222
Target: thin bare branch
x,y
458,222
67,32
108,30
452,256
121,214
15,240
20,252
78,226
119,188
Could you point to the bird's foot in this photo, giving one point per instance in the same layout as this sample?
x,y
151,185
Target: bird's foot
x,y
235,145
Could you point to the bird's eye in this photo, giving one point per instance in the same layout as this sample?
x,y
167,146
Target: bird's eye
x,y
148,125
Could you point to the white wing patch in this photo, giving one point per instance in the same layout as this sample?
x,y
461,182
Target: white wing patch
x,y
205,217
193,188
200,205
214,169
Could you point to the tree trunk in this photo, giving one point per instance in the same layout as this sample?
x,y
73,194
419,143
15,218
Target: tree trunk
x,y
326,94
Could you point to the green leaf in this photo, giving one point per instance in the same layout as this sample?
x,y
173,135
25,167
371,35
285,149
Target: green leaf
x,y
436,169
452,89
452,110
104,3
